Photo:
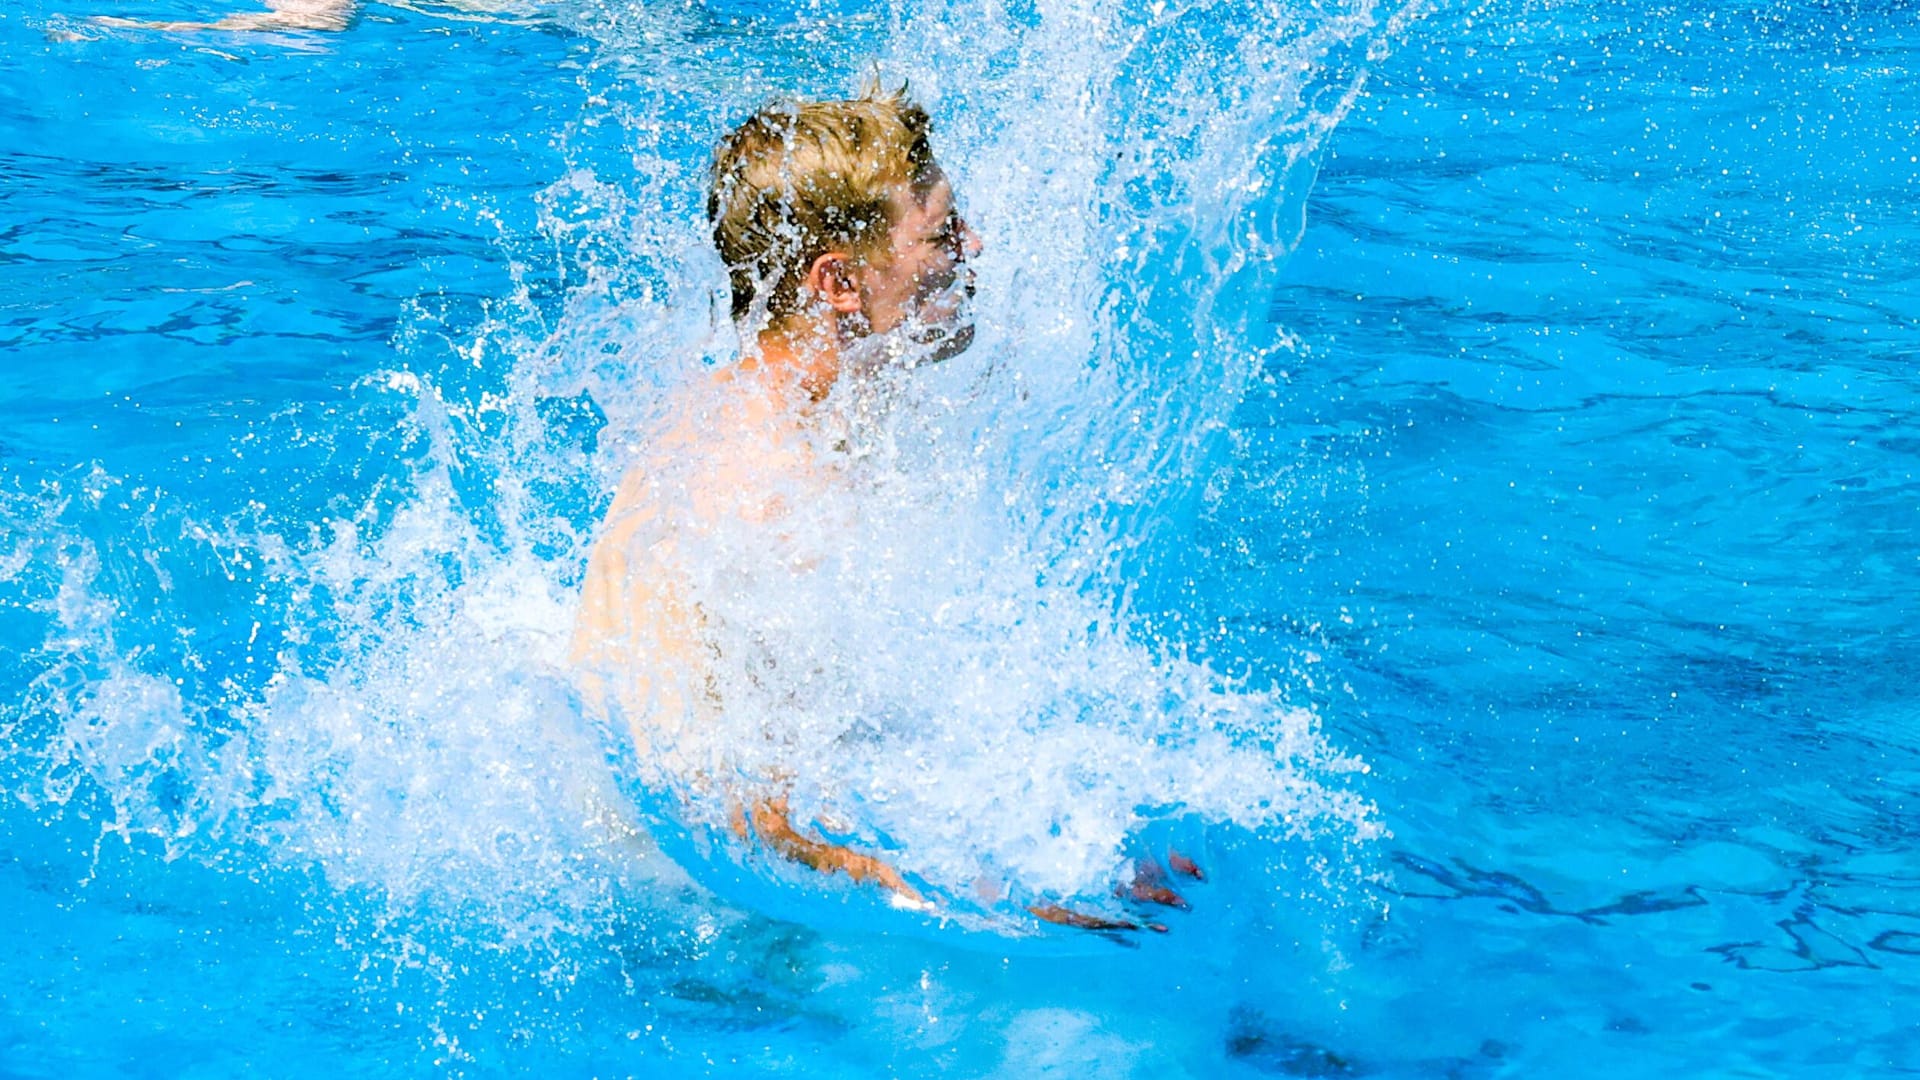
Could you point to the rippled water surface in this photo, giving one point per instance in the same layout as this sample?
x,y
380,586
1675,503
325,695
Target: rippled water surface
x,y
1499,421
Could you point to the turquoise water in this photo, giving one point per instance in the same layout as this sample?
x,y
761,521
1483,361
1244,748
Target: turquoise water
x,y
1514,399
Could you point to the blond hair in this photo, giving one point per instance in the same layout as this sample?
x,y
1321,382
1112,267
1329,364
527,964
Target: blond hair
x,y
801,178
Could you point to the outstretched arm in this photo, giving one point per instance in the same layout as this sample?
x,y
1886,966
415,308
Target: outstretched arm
x,y
280,15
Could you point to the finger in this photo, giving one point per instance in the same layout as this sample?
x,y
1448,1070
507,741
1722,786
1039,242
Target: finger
x,y
1054,913
1148,893
1183,865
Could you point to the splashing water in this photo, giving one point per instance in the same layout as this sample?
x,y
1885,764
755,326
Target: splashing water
x,y
893,641
964,601
364,677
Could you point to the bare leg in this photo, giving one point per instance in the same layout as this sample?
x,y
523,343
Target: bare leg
x,y
280,15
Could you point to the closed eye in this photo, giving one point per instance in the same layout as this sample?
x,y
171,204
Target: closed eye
x,y
948,235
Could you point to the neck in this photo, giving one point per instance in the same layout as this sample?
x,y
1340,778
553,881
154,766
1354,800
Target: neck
x,y
799,355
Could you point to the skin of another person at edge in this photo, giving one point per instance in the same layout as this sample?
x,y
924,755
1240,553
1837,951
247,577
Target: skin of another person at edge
x,y
329,15
280,15
636,642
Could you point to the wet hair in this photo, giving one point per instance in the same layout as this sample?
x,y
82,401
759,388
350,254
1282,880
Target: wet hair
x,y
801,178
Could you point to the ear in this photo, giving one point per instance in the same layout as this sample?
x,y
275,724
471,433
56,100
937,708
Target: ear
x,y
831,279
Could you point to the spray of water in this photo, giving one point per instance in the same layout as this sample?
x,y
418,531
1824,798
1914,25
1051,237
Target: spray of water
x,y
956,598
938,645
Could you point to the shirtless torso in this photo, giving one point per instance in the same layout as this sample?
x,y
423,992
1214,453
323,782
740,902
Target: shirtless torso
x,y
737,450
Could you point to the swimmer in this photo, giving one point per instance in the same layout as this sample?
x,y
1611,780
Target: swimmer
x,y
845,254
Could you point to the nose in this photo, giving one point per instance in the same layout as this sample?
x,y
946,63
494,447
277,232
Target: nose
x,y
970,244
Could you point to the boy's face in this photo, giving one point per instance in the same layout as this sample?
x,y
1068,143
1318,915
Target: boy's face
x,y
918,283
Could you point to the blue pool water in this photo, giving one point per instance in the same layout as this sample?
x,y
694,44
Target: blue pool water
x,y
1521,394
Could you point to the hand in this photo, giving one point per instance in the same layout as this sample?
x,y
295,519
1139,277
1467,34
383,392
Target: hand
x,y
1149,886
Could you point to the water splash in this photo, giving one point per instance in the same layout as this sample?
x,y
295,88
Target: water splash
x,y
963,600
365,681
